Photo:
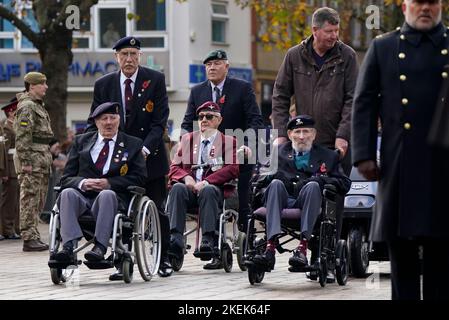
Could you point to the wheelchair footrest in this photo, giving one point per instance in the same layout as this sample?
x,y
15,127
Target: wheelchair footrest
x,y
302,269
102,264
204,256
63,265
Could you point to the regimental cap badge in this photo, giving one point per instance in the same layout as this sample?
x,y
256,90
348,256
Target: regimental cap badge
x,y
132,41
301,121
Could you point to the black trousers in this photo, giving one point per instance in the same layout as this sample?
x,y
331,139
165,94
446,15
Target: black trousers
x,y
406,268
156,190
245,174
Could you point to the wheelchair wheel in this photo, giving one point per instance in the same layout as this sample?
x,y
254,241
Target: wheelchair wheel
x,y
60,275
226,257
341,262
241,242
147,239
255,275
322,271
127,268
176,262
358,252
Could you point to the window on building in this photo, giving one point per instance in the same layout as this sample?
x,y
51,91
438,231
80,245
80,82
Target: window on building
x,y
112,26
220,20
6,29
81,38
151,15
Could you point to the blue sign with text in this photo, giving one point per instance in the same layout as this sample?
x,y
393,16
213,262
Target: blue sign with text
x,y
197,73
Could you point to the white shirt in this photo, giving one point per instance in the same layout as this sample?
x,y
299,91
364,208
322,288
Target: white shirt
x,y
219,86
123,86
199,171
95,153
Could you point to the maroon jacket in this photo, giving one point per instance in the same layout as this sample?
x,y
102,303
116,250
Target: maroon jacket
x,y
224,148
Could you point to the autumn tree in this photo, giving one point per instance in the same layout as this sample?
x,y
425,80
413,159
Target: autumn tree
x,y
53,41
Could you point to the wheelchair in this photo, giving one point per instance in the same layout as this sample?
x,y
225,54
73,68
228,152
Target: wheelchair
x,y
136,236
328,252
227,243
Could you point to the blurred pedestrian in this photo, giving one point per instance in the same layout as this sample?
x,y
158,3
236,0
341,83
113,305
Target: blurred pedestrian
x,y
33,157
399,83
9,202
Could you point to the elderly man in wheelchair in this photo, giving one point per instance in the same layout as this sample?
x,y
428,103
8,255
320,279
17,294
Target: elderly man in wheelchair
x,y
303,169
204,164
101,168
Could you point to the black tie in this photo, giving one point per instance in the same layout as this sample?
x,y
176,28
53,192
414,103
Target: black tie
x,y
204,153
103,156
217,94
128,96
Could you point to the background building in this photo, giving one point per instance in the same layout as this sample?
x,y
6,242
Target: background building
x,y
175,39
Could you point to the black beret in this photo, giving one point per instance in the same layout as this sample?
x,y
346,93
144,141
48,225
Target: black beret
x,y
107,107
208,106
127,42
10,106
216,55
301,121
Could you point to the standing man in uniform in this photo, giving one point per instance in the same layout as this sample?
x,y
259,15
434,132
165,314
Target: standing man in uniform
x,y
320,73
9,200
33,158
144,112
239,110
399,84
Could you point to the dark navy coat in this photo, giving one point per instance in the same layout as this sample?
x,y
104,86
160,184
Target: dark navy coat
x,y
149,113
399,83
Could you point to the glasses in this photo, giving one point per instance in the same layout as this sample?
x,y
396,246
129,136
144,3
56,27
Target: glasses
x,y
207,116
133,55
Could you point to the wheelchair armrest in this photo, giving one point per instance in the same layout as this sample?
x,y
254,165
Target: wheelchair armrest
x,y
136,190
57,188
330,187
330,191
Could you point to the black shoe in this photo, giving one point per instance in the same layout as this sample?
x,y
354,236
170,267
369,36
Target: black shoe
x,y
207,244
214,264
298,259
96,254
15,236
2,237
267,259
117,275
65,255
165,268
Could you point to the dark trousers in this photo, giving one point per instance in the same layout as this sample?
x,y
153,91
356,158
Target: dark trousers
x,y
243,193
406,267
156,190
9,208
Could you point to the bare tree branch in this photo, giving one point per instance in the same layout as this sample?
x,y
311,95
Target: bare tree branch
x,y
22,26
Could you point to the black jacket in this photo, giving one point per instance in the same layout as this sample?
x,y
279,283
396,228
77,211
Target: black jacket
x,y
398,83
149,113
129,170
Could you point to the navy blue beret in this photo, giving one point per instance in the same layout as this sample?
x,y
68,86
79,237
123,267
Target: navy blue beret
x,y
301,121
216,55
127,42
107,107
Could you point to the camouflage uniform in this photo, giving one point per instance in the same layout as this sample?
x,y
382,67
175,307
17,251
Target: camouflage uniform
x,y
9,203
33,135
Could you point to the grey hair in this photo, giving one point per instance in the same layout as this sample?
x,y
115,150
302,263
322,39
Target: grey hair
x,y
323,15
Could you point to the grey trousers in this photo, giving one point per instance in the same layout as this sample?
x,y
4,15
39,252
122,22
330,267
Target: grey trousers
x,y
72,205
277,198
209,201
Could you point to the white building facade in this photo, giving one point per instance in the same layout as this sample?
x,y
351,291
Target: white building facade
x,y
175,37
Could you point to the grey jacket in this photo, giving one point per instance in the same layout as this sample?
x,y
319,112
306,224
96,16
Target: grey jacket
x,y
326,95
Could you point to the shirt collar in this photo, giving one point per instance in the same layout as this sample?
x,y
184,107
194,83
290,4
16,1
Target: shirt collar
x,y
100,138
211,138
436,35
133,77
220,85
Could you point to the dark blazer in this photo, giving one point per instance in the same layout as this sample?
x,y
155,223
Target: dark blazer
x,y
322,162
399,82
224,147
238,105
149,113
128,171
